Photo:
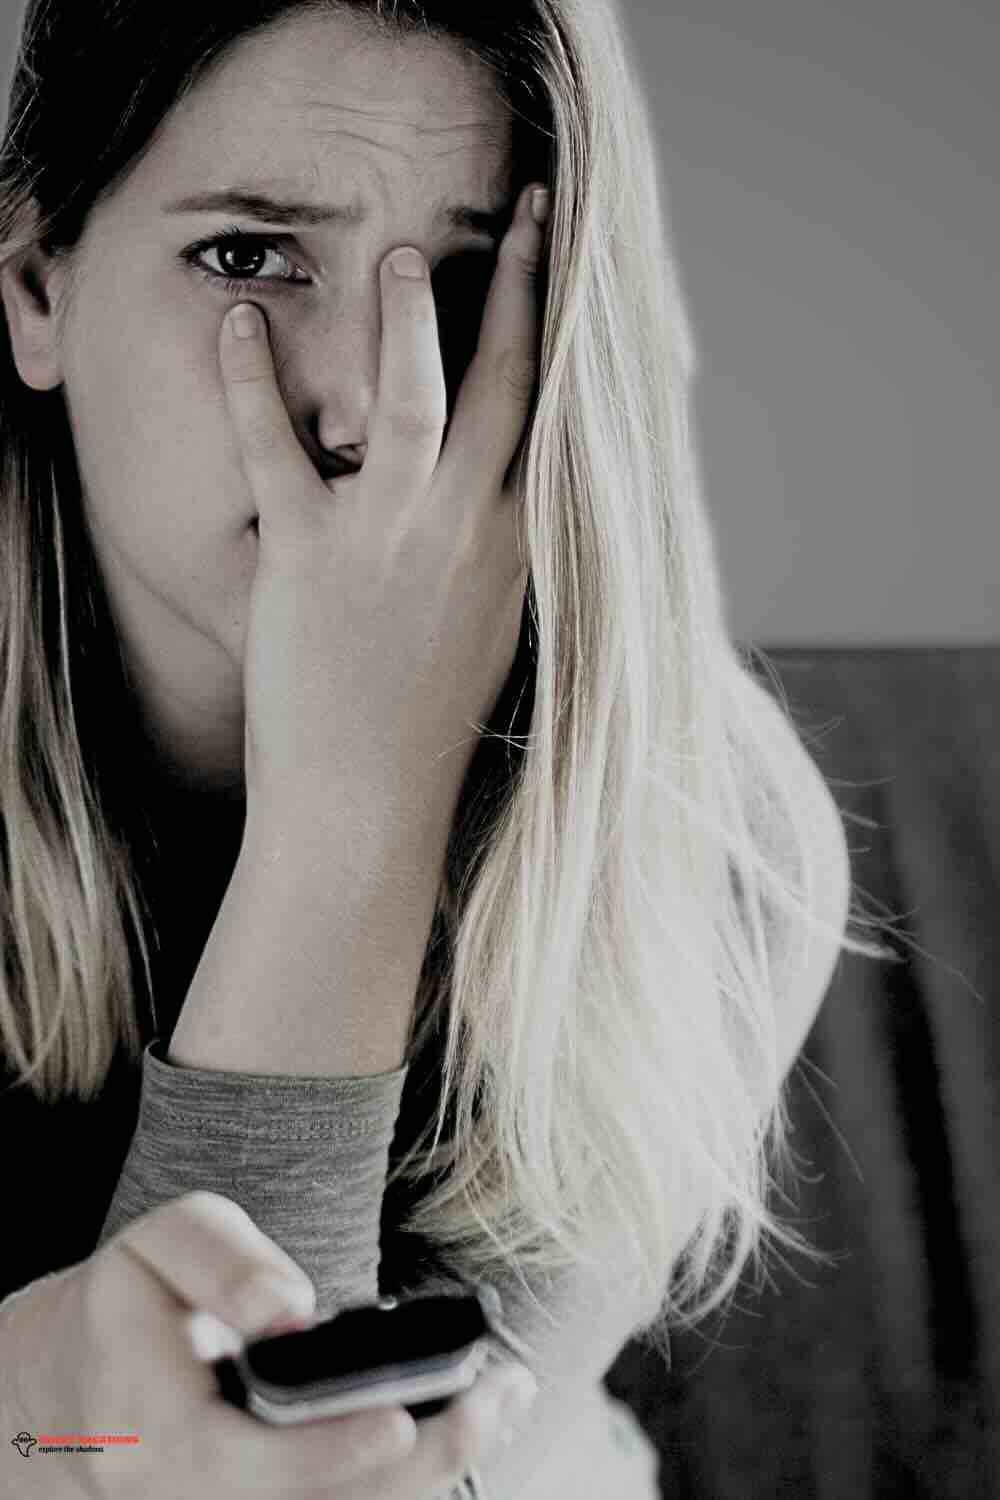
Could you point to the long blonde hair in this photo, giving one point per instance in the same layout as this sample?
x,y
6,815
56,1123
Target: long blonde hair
x,y
627,874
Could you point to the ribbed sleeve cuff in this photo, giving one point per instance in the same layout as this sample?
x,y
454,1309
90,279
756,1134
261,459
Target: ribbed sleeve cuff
x,y
306,1158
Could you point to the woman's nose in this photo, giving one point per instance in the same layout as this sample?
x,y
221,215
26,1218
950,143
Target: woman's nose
x,y
333,371
348,453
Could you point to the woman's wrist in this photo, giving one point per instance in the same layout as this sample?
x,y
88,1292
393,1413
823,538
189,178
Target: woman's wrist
x,y
312,966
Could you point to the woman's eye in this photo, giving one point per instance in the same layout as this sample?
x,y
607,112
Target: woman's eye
x,y
240,259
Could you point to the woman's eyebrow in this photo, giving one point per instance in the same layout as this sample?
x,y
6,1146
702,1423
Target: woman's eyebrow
x,y
256,205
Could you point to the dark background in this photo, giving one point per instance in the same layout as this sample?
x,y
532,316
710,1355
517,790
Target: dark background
x,y
879,1376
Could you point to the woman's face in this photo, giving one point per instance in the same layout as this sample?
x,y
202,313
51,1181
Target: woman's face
x,y
309,111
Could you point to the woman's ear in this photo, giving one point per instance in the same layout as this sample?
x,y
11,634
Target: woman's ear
x,y
30,284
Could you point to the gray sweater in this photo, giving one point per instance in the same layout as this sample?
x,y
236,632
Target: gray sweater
x,y
307,1159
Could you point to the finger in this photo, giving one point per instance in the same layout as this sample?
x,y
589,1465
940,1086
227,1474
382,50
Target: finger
x,y
447,1446
496,395
311,1458
209,1253
411,410
276,465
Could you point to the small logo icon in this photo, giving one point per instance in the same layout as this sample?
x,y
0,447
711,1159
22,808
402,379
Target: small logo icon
x,y
24,1443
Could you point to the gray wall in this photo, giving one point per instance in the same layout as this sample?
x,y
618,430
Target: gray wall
x,y
832,180
833,191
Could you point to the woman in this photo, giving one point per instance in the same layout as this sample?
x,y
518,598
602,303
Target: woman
x,y
376,664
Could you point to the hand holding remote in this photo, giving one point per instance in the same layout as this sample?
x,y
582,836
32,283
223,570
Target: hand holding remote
x,y
105,1347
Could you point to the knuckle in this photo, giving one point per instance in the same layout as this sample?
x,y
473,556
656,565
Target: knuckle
x,y
248,373
522,257
250,1292
256,1293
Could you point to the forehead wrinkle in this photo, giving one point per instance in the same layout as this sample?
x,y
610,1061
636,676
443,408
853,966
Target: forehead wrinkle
x,y
489,131
499,169
496,142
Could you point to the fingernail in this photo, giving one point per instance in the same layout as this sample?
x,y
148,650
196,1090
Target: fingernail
x,y
243,321
288,1325
409,263
211,1338
540,203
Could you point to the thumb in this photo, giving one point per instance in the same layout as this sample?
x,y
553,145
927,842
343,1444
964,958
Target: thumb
x,y
211,1256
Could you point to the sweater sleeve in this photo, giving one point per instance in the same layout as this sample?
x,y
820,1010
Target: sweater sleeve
x,y
306,1158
